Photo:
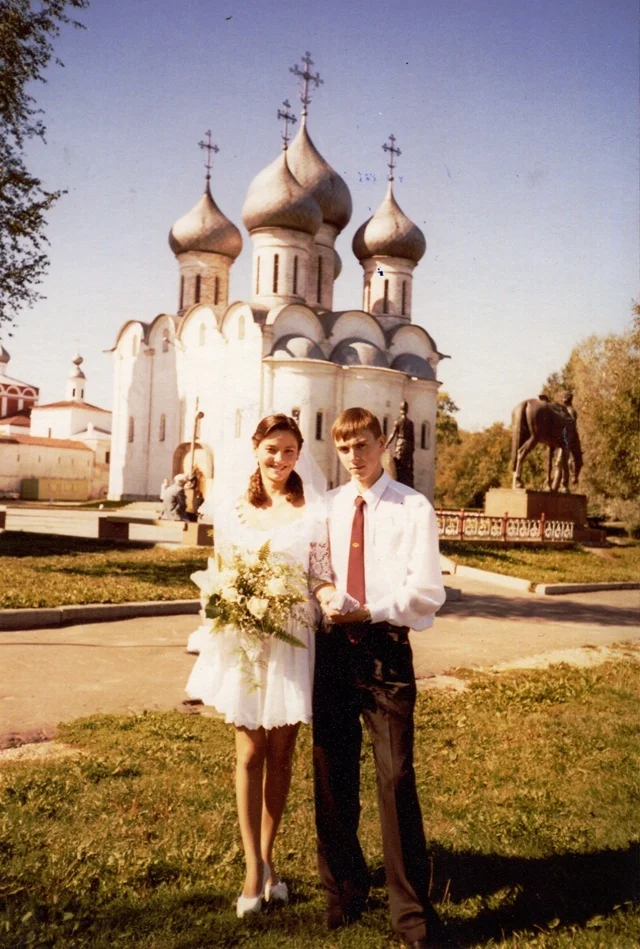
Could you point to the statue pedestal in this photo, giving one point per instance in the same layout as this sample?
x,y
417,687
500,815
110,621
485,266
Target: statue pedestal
x,y
519,502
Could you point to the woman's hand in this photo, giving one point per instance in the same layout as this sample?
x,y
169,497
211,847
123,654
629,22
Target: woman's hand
x,y
324,594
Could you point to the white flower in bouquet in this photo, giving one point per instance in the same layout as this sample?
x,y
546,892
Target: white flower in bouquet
x,y
258,606
207,580
276,586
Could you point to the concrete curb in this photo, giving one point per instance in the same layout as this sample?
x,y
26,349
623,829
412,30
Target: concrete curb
x,y
449,566
499,579
553,589
13,620
93,613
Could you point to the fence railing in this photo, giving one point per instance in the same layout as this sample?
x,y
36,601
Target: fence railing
x,y
469,525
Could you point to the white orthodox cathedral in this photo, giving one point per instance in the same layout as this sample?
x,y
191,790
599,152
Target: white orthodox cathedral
x,y
284,347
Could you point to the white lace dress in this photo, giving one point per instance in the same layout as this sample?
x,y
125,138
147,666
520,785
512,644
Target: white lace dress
x,y
278,690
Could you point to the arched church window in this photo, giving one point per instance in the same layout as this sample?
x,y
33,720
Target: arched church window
x,y
163,428
198,288
165,343
385,425
258,275
367,297
276,269
404,297
181,293
203,335
295,275
238,423
216,291
241,326
131,432
319,288
319,425
425,435
385,300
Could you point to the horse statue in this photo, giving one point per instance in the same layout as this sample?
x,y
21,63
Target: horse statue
x,y
552,424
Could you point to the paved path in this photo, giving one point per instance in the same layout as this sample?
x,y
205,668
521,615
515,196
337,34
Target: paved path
x,y
48,676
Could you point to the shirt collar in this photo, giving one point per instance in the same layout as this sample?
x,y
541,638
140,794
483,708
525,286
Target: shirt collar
x,y
373,494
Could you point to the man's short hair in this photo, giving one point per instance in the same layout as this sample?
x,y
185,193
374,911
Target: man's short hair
x,y
180,479
353,421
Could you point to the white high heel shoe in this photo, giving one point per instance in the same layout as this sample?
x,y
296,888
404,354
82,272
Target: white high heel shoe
x,y
276,892
251,905
248,905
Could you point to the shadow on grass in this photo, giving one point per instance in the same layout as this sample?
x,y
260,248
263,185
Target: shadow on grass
x,y
30,544
555,610
564,889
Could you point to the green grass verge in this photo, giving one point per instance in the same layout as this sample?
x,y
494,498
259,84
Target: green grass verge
x,y
530,792
45,570
546,565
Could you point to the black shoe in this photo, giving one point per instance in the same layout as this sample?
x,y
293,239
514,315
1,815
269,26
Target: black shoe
x,y
337,916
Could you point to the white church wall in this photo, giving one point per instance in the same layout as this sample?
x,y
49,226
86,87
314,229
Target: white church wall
x,y
307,387
129,459
379,390
240,398
422,398
66,421
164,429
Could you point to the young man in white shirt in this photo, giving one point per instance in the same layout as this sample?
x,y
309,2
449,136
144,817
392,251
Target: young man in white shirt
x,y
384,552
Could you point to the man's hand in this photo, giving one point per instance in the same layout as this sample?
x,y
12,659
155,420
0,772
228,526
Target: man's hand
x,y
361,615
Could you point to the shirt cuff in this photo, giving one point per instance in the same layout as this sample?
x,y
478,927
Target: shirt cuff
x,y
380,609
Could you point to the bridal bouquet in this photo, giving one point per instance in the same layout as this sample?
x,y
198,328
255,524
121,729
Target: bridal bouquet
x,y
255,594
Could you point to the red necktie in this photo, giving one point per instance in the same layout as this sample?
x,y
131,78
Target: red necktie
x,y
355,567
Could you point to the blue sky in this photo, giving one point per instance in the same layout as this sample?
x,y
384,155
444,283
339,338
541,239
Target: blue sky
x,y
518,125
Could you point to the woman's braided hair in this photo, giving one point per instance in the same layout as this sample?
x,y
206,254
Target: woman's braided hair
x,y
256,494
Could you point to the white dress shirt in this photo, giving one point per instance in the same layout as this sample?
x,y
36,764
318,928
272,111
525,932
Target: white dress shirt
x,y
401,560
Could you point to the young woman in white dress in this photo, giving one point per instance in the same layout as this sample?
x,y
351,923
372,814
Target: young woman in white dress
x,y
267,718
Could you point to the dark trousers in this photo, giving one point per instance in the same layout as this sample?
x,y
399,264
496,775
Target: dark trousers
x,y
373,680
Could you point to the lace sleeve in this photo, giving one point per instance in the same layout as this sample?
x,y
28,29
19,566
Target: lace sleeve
x,y
319,556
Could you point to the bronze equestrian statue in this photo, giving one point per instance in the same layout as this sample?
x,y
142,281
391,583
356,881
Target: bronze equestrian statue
x,y
552,424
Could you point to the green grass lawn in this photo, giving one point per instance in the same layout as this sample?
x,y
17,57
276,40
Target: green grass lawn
x,y
39,570
531,797
548,565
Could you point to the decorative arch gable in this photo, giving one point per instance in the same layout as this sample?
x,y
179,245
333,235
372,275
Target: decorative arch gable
x,y
360,325
239,323
412,339
163,323
191,333
127,330
294,319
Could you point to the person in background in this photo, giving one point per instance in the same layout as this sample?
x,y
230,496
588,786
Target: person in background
x,y
174,503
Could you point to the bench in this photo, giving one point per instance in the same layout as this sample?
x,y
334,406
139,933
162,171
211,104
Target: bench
x,y
3,518
116,527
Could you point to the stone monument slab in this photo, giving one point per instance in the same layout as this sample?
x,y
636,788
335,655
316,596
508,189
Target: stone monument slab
x,y
520,502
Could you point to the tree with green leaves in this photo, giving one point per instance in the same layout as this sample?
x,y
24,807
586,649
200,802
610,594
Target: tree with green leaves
x,y
446,424
27,31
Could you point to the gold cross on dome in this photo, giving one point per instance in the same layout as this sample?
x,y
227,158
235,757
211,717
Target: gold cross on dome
x,y
393,154
306,77
287,117
209,148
